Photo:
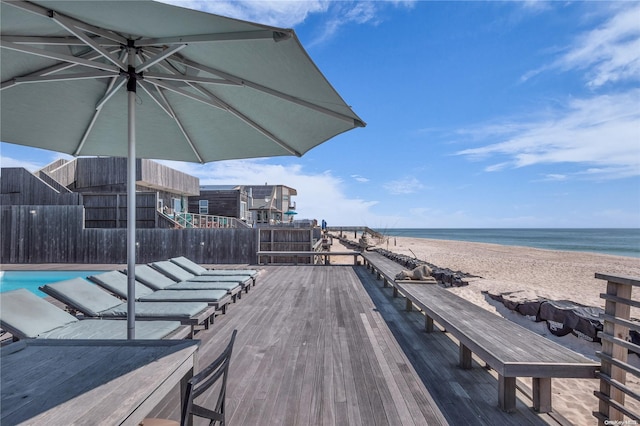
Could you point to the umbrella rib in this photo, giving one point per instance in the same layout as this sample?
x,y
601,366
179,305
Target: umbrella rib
x,y
64,77
90,55
250,122
203,38
273,92
189,79
159,57
57,56
181,127
47,13
113,87
70,26
68,41
208,100
157,96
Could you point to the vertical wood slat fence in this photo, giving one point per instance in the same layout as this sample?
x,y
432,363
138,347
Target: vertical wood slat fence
x,y
56,234
615,348
288,239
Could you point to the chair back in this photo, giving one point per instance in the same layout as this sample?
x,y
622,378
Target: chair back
x,y
201,382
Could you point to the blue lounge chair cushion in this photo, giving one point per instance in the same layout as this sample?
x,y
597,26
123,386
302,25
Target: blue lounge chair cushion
x,y
26,315
196,269
182,310
82,295
116,283
152,277
191,285
219,278
94,302
186,296
172,270
112,329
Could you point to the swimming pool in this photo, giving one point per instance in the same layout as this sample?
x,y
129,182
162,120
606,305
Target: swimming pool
x,y
31,280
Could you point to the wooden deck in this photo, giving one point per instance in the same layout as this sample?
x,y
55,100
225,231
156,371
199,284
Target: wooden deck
x,y
328,345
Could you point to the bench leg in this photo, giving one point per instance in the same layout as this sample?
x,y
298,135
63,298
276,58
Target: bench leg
x,y
465,357
395,292
507,393
378,275
409,306
542,394
385,283
428,323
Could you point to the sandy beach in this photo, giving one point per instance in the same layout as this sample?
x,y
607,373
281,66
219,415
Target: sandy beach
x,y
556,275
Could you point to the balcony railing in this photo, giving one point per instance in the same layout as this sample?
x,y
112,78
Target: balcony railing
x,y
193,220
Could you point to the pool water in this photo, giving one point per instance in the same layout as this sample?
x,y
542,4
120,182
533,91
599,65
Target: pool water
x,y
31,280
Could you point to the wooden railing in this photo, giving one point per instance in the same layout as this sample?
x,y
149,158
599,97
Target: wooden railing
x,y
615,348
193,220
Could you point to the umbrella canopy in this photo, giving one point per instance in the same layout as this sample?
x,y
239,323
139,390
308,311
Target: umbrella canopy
x,y
140,79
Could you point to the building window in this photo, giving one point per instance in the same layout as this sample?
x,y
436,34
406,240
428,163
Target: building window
x,y
203,206
243,210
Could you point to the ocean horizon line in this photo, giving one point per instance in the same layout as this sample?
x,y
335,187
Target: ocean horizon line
x,y
611,241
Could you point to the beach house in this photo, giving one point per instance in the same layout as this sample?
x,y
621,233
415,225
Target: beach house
x,y
55,213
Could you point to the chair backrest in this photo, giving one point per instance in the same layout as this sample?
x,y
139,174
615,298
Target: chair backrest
x,y
26,315
152,278
81,295
188,265
172,270
116,283
201,382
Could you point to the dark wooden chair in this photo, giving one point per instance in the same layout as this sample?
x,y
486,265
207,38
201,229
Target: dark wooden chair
x,y
199,384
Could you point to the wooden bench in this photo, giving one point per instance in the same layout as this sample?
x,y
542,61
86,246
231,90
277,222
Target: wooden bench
x,y
508,348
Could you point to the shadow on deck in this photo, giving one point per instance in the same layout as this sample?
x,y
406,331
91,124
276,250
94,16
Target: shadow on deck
x,y
328,345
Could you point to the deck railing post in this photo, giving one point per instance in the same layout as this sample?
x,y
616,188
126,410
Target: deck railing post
x,y
617,313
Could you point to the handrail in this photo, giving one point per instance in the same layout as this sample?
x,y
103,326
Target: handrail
x,y
613,357
194,220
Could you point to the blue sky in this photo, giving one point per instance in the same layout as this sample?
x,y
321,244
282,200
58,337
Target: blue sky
x,y
479,114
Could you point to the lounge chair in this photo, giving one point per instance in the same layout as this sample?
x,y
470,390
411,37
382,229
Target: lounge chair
x,y
116,282
27,316
82,296
196,269
165,278
180,275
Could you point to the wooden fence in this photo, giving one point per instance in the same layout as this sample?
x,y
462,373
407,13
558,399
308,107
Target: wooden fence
x,y
56,234
614,368
110,210
279,239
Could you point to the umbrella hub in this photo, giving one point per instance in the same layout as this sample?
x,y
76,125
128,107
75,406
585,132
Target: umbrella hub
x,y
130,73
132,78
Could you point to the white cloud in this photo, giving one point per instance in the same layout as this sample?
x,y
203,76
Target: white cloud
x,y
320,196
12,162
31,166
408,185
360,179
269,12
288,14
607,54
601,132
555,177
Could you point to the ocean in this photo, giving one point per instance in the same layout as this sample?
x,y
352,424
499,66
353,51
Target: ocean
x,y
618,242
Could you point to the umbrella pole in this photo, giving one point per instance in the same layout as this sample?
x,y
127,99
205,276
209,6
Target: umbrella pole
x,y
131,205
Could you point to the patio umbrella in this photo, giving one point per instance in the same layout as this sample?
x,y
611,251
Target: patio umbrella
x,y
140,79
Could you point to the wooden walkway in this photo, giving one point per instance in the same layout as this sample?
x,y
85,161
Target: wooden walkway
x,y
327,345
